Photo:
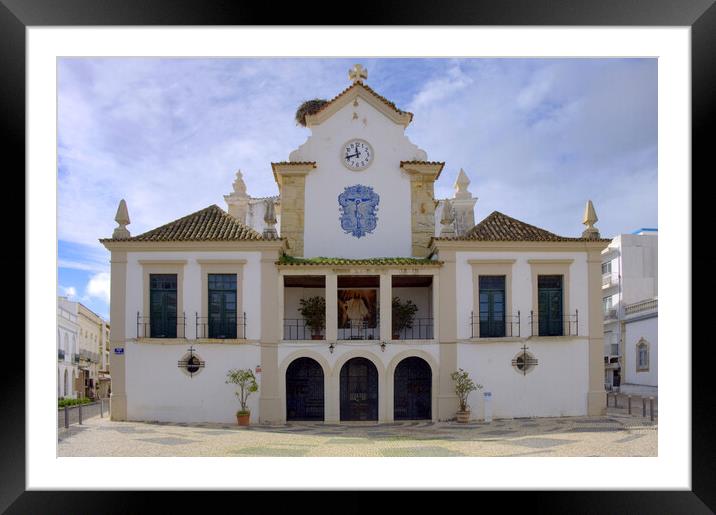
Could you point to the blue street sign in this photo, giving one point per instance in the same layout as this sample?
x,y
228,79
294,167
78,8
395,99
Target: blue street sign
x,y
119,351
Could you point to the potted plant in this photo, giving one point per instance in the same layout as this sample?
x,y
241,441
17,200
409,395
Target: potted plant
x,y
313,311
403,316
463,386
246,381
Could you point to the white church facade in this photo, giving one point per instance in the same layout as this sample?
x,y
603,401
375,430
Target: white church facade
x,y
354,294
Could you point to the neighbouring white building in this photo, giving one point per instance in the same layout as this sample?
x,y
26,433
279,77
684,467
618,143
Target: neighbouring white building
x,y
67,348
629,296
310,290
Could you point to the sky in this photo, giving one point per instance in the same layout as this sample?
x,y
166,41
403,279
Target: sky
x,y
537,138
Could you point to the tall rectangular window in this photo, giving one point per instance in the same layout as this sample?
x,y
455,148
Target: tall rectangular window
x,y
222,306
492,306
549,299
163,305
607,268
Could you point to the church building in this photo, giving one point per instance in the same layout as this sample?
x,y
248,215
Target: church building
x,y
354,294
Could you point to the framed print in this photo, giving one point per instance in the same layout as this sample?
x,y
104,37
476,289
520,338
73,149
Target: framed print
x,y
345,289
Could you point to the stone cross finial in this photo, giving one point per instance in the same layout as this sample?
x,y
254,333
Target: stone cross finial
x,y
461,184
358,73
447,220
589,219
122,219
270,220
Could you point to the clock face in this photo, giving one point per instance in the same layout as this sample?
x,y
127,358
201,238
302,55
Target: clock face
x,y
357,154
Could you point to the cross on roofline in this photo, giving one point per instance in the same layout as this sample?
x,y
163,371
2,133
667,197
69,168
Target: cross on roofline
x,y
358,73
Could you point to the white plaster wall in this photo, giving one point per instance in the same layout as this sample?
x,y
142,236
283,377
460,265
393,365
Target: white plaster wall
x,y
292,297
323,235
158,390
635,330
250,287
521,287
557,386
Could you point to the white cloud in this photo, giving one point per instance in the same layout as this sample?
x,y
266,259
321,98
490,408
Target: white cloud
x,y
98,286
68,291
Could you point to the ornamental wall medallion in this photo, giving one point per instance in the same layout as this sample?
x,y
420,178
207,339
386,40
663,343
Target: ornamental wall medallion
x,y
358,205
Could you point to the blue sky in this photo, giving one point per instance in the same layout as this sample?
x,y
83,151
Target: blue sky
x,y
537,137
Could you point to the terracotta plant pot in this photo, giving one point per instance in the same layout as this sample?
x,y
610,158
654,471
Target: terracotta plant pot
x,y
316,337
396,336
243,418
463,416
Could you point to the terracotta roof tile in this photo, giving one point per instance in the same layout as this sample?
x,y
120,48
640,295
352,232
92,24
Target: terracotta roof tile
x,y
500,227
335,261
369,90
209,224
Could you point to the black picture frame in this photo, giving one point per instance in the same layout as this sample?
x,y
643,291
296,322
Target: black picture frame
x,y
699,15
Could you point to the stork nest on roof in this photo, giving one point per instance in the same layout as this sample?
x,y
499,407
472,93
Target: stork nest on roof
x,y
309,107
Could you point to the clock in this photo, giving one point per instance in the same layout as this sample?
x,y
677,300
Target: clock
x,y
357,154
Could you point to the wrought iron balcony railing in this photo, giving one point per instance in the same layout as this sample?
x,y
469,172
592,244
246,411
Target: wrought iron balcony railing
x,y
420,329
60,354
567,325
360,330
507,327
611,314
76,358
230,327
296,329
161,327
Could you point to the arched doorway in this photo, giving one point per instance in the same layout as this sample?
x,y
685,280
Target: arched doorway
x,y
304,390
359,390
412,398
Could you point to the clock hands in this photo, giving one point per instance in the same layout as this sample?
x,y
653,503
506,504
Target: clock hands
x,y
357,154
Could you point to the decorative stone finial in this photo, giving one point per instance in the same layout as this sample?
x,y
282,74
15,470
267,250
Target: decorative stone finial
x,y
239,185
270,220
461,184
447,220
122,219
590,218
358,73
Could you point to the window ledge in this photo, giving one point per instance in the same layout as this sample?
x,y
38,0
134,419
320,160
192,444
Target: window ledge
x,y
162,341
558,338
501,339
221,341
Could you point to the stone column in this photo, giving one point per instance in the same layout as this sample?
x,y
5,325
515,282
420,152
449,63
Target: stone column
x,y
269,400
117,336
331,306
422,213
447,297
386,306
596,398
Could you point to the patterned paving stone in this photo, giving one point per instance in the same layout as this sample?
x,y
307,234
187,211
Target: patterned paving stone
x,y
419,451
270,451
167,441
348,441
594,429
539,443
497,432
629,438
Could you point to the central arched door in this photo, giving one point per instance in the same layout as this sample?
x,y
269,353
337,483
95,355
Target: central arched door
x,y
304,390
359,390
413,390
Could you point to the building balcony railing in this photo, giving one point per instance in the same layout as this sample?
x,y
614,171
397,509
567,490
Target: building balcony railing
x,y
296,329
60,354
611,314
92,357
420,329
607,280
167,327
567,325
509,327
76,359
360,330
230,327
643,305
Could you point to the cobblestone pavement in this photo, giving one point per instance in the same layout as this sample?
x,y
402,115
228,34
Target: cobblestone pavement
x,y
610,435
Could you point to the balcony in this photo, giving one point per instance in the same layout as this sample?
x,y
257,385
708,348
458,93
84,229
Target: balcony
x,y
567,325
485,328
60,355
611,314
76,359
231,327
296,329
167,327
420,329
92,357
608,280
